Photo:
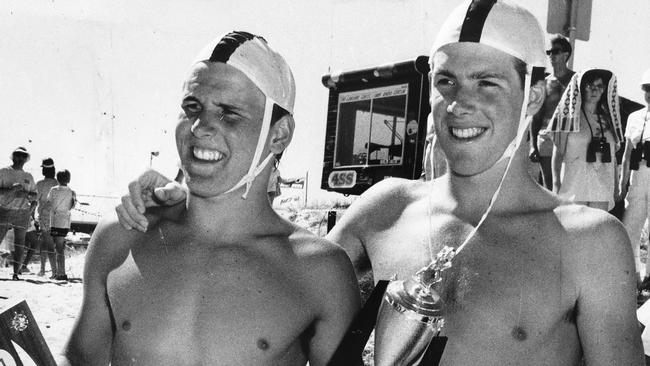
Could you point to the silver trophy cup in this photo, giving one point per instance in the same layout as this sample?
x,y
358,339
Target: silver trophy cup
x,y
410,315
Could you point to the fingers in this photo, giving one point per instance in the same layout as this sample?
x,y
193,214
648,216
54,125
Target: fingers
x,y
169,195
128,215
135,191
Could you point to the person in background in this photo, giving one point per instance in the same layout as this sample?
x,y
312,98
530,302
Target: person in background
x,y
17,196
43,209
61,200
636,171
556,83
587,132
275,179
32,240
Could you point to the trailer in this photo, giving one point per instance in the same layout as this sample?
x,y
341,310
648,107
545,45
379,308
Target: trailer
x,y
376,125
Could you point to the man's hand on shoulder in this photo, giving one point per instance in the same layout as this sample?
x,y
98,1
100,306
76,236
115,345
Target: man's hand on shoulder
x,y
151,189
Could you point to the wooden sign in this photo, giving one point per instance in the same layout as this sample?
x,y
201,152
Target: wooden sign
x,y
21,341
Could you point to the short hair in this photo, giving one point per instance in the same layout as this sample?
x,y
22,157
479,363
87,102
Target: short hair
x,y
278,113
48,172
560,40
63,176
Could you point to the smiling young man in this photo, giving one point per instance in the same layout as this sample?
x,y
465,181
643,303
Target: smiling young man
x,y
227,281
523,291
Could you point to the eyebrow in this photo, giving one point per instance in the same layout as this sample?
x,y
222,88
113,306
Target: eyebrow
x,y
474,75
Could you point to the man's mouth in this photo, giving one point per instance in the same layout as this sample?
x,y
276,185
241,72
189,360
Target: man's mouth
x,y
206,154
466,133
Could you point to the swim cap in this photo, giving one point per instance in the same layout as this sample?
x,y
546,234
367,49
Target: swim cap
x,y
268,70
501,24
645,78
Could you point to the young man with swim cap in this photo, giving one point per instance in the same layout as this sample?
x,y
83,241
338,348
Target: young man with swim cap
x,y
227,281
523,291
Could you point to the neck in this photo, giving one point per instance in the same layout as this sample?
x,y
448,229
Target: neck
x,y
229,217
472,194
17,166
561,71
590,107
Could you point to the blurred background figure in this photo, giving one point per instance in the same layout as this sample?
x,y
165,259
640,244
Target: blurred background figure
x,y
43,187
556,83
17,195
636,171
61,199
587,133
275,179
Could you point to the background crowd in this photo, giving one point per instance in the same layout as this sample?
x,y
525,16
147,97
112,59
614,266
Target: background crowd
x,y
38,213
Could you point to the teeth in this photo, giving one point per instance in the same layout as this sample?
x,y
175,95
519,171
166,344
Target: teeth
x,y
205,154
466,133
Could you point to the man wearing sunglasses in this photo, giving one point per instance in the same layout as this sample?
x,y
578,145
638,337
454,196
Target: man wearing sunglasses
x,y
542,146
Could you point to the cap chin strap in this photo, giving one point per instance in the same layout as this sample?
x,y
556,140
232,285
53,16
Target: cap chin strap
x,y
509,154
255,170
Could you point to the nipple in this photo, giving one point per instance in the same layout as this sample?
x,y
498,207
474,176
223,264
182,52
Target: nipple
x,y
519,333
262,344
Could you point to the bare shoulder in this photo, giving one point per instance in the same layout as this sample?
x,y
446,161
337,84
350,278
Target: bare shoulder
x,y
382,201
316,252
594,238
108,248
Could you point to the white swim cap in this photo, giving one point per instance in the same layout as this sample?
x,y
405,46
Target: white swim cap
x,y
645,78
501,24
268,70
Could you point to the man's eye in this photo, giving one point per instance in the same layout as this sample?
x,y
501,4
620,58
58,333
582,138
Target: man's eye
x,y
486,83
192,108
442,82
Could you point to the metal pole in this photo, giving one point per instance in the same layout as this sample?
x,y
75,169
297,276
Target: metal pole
x,y
306,186
572,30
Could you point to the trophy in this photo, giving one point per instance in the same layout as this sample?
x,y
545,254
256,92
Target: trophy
x,y
411,314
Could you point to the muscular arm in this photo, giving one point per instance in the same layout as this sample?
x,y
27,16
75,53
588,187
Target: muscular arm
x,y
338,296
92,335
606,306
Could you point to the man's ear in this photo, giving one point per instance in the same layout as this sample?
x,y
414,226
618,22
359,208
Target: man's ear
x,y
281,134
536,97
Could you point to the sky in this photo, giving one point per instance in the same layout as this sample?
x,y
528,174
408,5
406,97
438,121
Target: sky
x,y
95,84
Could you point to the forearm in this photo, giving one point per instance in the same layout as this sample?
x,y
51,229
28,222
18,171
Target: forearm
x,y
556,166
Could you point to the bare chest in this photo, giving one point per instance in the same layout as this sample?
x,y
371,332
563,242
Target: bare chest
x,y
507,288
222,306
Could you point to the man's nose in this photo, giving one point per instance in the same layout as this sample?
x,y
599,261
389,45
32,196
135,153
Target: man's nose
x,y
203,126
462,103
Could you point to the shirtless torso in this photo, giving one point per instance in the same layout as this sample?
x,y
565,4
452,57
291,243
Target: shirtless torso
x,y
179,296
535,286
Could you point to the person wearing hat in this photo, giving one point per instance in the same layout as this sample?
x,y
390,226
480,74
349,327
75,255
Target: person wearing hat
x,y
17,195
587,132
46,244
522,288
556,83
226,281
636,172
